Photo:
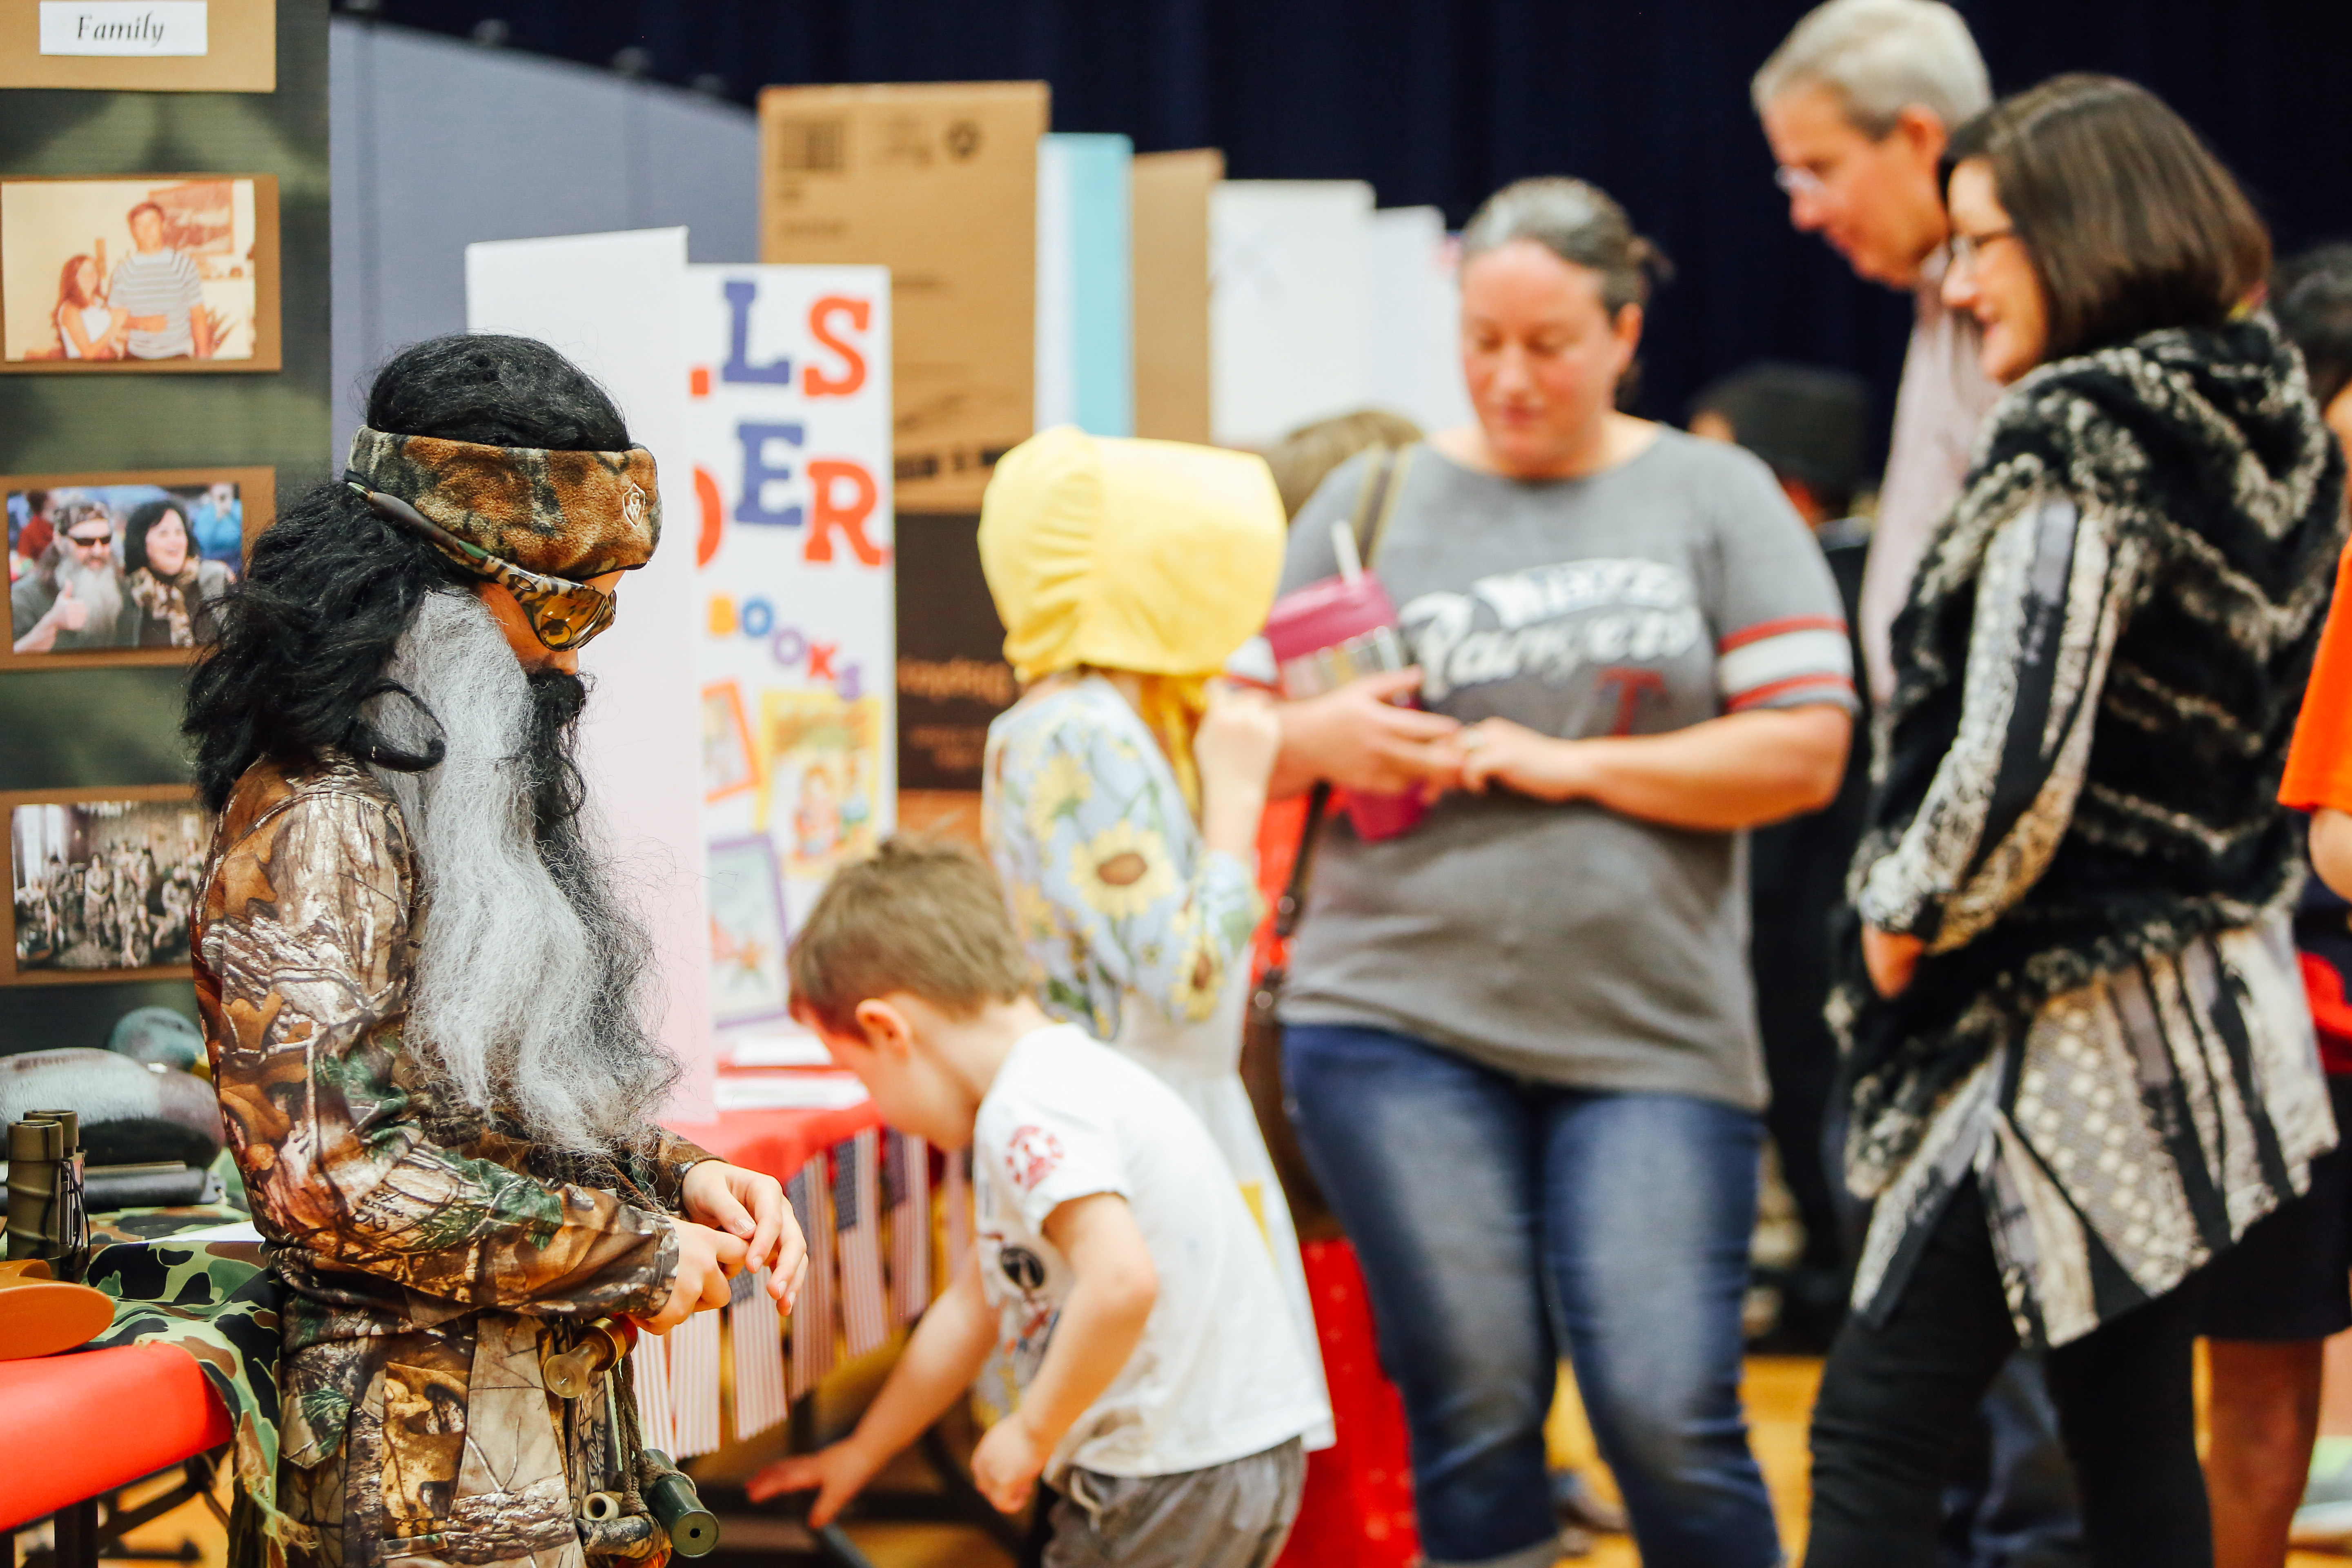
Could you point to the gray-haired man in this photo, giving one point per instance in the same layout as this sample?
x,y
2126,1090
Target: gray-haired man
x,y
1858,102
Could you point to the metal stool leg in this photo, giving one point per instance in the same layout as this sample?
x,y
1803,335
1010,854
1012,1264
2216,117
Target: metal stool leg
x,y
77,1534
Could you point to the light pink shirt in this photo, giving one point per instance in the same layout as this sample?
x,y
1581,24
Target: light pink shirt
x,y
1944,397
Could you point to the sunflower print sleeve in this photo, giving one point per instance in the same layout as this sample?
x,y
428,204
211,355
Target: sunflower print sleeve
x,y
303,980
1111,887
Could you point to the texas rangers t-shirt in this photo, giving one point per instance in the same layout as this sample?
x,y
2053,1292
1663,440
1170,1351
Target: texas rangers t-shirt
x,y
1219,1373
1565,942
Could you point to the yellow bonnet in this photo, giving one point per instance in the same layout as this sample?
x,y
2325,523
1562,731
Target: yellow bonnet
x,y
1153,556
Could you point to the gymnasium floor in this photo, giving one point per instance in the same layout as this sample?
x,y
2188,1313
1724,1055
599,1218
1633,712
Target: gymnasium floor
x,y
1780,1392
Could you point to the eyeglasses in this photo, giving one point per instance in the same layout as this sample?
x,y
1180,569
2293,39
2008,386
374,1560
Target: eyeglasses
x,y
562,613
1796,181
1969,248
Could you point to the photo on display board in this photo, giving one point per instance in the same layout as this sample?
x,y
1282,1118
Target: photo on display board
x,y
124,567
102,883
728,767
748,932
156,272
821,755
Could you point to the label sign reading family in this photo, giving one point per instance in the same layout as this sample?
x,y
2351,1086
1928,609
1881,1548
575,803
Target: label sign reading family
x,y
123,27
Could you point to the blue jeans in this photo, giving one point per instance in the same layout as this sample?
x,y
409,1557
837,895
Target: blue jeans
x,y
1498,1219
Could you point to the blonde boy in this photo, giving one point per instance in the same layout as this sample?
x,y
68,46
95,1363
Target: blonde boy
x,y
1163,1392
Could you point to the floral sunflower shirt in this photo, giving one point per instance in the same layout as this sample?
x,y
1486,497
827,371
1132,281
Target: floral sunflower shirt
x,y
1111,887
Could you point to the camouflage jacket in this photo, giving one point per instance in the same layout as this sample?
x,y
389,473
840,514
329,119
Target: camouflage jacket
x,y
427,1256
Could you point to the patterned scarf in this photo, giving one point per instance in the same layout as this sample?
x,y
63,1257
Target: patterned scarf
x,y
165,600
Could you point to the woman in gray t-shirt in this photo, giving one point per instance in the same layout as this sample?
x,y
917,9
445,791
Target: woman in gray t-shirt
x,y
1520,1038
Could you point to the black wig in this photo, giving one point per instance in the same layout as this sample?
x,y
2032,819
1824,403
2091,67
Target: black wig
x,y
304,640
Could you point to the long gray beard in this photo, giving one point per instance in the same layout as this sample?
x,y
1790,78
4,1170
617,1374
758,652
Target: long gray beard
x,y
530,991
101,589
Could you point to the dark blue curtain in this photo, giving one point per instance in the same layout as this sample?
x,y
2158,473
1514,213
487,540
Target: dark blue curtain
x,y
1441,100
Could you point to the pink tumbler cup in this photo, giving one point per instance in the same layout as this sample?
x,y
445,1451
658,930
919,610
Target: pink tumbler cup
x,y
1326,635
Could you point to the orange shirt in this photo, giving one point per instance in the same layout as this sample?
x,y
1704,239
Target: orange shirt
x,y
2319,764
2319,774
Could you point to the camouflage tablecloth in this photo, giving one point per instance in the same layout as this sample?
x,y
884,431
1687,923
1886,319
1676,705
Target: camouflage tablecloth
x,y
216,1299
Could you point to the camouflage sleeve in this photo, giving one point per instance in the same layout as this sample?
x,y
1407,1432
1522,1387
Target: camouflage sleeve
x,y
661,1170
304,972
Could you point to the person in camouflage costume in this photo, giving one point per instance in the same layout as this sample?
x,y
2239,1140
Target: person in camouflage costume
x,y
423,1001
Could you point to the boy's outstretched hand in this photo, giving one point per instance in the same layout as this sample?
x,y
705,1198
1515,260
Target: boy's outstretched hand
x,y
836,1474
1006,1465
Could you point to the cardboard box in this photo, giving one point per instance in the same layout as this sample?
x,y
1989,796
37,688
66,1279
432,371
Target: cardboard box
x,y
1170,207
937,181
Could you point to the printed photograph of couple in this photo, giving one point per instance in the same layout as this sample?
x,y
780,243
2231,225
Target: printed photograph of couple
x,y
114,566
164,272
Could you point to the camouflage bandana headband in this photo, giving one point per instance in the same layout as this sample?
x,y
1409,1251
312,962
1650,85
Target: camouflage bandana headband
x,y
573,515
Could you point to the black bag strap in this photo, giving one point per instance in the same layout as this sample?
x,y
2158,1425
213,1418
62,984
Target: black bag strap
x,y
1376,502
1293,892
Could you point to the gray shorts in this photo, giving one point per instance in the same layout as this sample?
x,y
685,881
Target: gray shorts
x,y
1234,1515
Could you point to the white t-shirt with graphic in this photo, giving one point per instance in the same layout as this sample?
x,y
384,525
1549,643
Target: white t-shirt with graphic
x,y
1219,1373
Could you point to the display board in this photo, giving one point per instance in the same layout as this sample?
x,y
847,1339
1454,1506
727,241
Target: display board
x,y
1169,199
794,543
1085,314
1290,305
615,304
82,733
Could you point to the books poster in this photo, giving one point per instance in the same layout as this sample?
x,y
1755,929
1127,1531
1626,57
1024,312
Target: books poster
x,y
790,377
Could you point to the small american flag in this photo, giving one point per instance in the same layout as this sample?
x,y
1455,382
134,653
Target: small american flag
x,y
957,1203
813,1321
906,1196
694,1385
757,1339
857,1216
649,1366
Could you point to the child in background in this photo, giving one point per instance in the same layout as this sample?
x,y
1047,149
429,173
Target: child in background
x,y
1160,1392
1121,796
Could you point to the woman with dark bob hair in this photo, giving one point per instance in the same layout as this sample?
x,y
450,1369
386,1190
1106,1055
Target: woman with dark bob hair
x,y
2080,1058
173,588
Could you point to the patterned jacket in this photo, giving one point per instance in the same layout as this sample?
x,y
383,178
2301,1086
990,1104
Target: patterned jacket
x,y
2076,815
428,1256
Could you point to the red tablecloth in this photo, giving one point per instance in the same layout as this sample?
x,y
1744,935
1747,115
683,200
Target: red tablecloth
x,y
74,1426
777,1143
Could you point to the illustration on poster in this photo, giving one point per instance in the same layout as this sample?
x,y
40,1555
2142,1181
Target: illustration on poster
x,y
819,762
727,765
791,418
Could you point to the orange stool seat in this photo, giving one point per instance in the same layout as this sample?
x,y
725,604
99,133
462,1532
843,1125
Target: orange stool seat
x,y
74,1426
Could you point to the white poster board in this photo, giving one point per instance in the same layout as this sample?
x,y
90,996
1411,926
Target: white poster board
x,y
611,302
1413,327
795,627
1290,297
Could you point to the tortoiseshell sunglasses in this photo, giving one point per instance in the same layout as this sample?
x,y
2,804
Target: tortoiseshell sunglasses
x,y
562,613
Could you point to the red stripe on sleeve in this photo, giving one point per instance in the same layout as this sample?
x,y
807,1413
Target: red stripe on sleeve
x,y
1772,689
1763,629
